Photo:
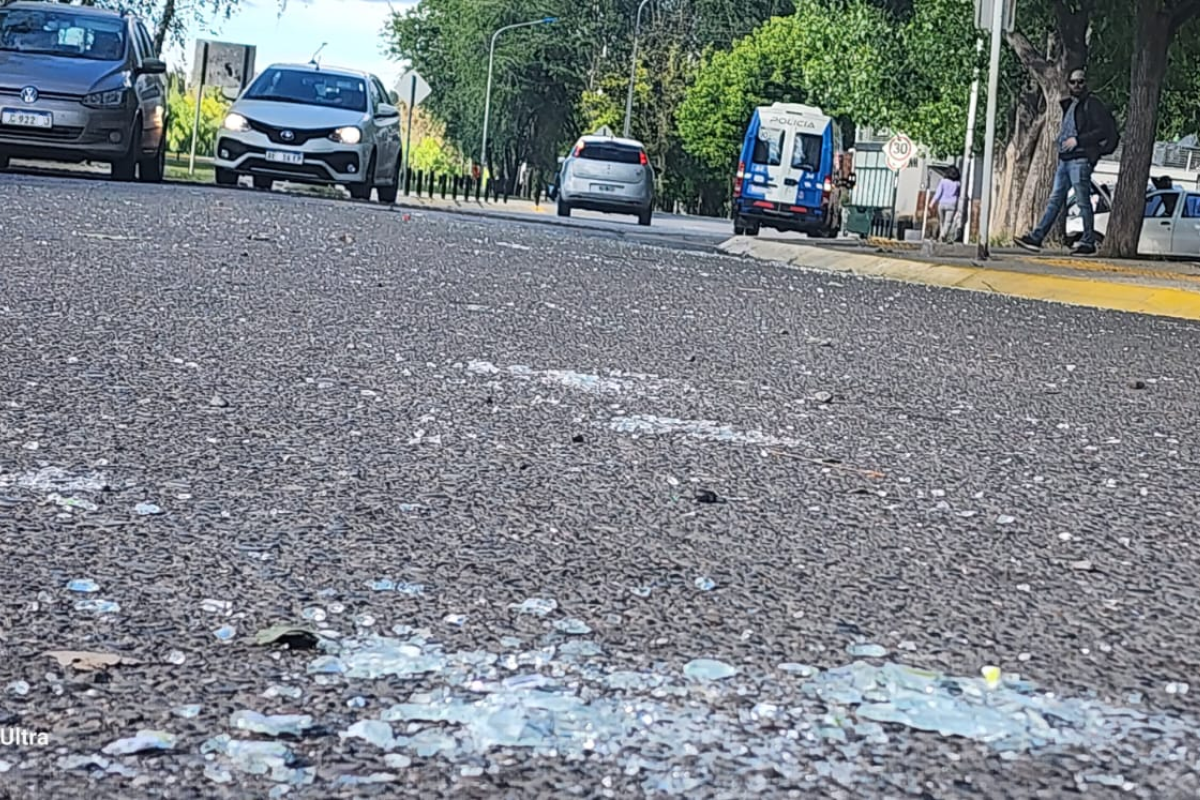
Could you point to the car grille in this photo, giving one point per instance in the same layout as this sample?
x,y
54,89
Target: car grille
x,y
301,135
339,162
6,91
56,134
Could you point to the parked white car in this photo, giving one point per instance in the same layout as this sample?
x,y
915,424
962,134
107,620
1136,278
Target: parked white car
x,y
313,124
1170,224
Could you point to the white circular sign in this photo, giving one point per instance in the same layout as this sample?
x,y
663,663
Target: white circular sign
x,y
898,152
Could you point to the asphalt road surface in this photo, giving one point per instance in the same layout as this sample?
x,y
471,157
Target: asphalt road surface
x,y
548,513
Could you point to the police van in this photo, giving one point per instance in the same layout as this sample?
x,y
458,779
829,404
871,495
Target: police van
x,y
790,174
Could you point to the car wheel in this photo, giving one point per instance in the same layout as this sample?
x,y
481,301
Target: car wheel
x,y
263,183
225,177
564,208
154,168
387,194
362,191
124,169
738,228
752,229
646,217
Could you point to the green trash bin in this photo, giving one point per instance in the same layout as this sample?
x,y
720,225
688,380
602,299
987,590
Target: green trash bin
x,y
858,220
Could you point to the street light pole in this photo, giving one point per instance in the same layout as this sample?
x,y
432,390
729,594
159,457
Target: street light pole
x,y
637,30
487,103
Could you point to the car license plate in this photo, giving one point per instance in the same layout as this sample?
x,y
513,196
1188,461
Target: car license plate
x,y
605,187
284,157
27,119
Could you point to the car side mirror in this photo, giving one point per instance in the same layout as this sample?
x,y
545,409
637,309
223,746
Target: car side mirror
x,y
562,159
153,66
394,97
552,192
385,111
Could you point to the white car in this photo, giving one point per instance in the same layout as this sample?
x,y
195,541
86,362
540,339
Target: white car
x,y
1170,223
313,124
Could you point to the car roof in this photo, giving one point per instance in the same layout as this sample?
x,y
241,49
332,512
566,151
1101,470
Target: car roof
x,y
86,11
324,69
611,140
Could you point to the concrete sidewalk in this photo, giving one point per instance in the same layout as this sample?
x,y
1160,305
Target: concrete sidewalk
x,y
1162,288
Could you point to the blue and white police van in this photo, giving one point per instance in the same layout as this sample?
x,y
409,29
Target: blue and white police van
x,y
789,175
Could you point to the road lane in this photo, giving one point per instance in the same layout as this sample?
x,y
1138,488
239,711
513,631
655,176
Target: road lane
x,y
733,481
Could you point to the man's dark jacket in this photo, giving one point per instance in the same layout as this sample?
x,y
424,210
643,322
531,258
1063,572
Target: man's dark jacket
x,y
1097,130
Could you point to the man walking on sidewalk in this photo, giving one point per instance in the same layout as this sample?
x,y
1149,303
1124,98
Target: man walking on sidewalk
x,y
1088,132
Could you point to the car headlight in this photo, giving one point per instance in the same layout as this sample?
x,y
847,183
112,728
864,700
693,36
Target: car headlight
x,y
350,135
113,98
236,123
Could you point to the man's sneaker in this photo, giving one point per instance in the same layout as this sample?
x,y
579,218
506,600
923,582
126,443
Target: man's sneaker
x,y
1082,249
1029,243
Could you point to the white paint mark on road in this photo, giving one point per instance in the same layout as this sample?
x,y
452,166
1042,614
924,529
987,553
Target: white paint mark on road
x,y
707,430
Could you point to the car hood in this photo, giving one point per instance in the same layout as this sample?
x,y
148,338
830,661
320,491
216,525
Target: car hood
x,y
296,115
56,74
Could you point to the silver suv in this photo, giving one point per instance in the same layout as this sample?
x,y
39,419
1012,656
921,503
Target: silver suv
x,y
607,174
81,84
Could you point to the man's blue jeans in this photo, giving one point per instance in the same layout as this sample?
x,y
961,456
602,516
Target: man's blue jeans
x,y
1075,174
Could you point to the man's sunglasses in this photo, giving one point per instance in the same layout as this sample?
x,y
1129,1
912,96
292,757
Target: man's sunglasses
x,y
1076,83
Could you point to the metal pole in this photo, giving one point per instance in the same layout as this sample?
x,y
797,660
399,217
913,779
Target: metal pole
x,y
196,121
989,141
637,30
487,108
487,102
412,102
925,204
968,178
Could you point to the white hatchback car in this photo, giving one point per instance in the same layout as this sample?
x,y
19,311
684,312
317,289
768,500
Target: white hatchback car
x,y
313,124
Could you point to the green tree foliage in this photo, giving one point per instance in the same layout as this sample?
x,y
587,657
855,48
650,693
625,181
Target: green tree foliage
x,y
852,59
181,110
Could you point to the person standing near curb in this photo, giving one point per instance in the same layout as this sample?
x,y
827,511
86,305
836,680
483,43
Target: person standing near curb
x,y
945,203
1089,131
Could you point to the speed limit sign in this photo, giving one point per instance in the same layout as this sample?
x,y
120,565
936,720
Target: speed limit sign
x,y
898,152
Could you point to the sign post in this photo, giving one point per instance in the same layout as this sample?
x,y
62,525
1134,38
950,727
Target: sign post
x,y
897,153
1000,16
413,89
226,66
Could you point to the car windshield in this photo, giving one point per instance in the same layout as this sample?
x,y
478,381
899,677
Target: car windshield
x,y
310,88
62,33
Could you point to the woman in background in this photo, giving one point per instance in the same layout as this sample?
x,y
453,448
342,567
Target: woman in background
x,y
945,202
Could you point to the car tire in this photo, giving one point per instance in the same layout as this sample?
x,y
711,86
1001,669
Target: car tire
x,y
152,169
362,191
225,177
753,228
387,194
263,184
646,217
564,208
738,228
124,169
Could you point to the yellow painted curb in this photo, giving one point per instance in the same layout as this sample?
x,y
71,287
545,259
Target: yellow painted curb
x,y
1165,301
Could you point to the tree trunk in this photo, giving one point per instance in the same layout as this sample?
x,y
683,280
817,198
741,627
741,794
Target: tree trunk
x,y
164,26
1146,76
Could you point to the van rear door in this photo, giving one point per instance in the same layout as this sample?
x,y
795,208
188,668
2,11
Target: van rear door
x,y
767,170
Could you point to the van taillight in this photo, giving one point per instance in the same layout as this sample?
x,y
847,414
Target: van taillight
x,y
828,186
737,182
642,157
741,170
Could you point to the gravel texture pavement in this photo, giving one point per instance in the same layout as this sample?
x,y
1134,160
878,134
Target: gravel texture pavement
x,y
548,514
